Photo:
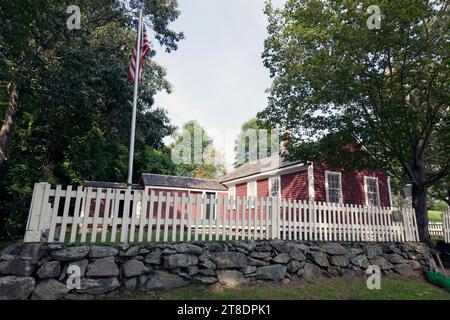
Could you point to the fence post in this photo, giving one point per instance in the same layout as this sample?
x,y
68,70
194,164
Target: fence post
x,y
274,216
416,229
37,214
446,225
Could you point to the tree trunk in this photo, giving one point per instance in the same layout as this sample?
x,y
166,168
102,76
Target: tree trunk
x,y
419,202
419,196
10,116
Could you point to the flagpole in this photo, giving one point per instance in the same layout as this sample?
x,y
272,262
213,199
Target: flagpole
x,y
133,116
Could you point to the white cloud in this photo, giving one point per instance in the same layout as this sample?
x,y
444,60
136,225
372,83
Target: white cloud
x,y
217,72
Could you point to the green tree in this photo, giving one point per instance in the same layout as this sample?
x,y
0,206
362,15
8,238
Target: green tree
x,y
357,97
441,192
439,205
252,131
196,156
66,96
150,160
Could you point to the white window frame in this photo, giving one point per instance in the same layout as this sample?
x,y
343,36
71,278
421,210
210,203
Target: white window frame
x,y
215,206
327,173
366,178
271,179
251,194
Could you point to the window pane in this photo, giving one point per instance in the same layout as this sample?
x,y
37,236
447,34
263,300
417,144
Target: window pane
x,y
372,192
334,187
333,195
372,185
334,181
373,199
275,187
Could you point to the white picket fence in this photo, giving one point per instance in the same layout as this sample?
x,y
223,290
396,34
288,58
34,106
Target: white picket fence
x,y
446,225
441,229
87,214
436,229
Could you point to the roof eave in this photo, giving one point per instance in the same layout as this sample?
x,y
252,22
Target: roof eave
x,y
296,166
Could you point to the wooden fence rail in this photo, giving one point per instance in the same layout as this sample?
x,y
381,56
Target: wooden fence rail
x,y
436,229
446,225
86,214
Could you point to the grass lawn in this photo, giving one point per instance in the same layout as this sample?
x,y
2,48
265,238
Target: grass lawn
x,y
392,288
144,238
435,216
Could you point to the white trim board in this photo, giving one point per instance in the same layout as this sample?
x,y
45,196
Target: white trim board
x,y
311,188
389,190
185,189
267,174
232,191
254,182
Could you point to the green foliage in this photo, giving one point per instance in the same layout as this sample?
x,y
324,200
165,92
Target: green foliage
x,y
150,160
242,143
338,84
435,216
75,97
439,205
204,161
355,97
441,192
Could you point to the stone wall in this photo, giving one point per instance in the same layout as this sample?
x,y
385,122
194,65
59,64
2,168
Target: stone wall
x,y
39,271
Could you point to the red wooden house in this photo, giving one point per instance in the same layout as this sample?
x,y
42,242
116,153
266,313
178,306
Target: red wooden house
x,y
269,177
276,177
166,185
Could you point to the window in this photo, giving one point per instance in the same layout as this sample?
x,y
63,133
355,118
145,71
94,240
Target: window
x,y
274,187
372,192
333,186
211,209
251,189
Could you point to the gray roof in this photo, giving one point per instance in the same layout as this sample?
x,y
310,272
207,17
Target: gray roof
x,y
259,166
115,185
160,180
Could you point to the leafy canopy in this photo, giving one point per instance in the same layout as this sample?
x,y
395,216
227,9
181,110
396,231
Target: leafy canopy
x,y
254,141
201,160
384,92
75,98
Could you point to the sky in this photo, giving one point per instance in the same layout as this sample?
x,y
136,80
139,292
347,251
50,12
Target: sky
x,y
217,72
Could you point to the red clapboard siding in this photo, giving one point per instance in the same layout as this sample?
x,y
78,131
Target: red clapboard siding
x,y
164,209
384,190
101,211
170,210
221,210
352,185
295,185
319,183
262,191
241,190
195,194
262,188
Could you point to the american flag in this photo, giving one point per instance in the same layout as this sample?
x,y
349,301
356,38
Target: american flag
x,y
145,47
